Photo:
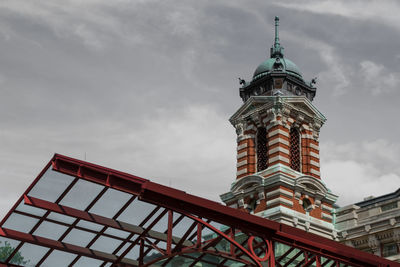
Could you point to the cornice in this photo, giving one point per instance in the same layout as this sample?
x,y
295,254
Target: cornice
x,y
278,105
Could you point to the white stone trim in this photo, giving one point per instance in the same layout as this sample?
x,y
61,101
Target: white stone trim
x,y
242,146
280,191
313,154
242,171
241,155
277,158
251,127
278,131
307,136
325,207
241,163
280,149
315,172
234,205
278,140
279,200
326,216
314,146
314,163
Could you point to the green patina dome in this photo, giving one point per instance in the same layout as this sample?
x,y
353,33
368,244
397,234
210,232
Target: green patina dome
x,y
277,61
268,65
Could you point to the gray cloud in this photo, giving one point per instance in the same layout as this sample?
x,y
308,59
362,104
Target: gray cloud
x,y
138,84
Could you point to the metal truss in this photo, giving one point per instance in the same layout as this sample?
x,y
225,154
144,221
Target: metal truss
x,y
80,214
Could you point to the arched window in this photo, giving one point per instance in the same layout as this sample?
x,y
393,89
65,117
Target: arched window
x,y
262,149
295,149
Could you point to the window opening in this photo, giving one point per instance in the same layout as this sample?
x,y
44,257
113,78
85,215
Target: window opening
x,y
389,206
251,207
389,249
262,149
295,149
307,206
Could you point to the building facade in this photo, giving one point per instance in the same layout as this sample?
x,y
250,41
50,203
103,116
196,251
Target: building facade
x,y
372,225
278,171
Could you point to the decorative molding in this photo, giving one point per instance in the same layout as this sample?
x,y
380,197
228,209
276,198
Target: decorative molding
x,y
278,158
326,216
326,208
314,163
246,182
240,147
278,149
279,200
315,172
314,146
242,171
241,163
241,155
278,140
280,191
313,154
277,132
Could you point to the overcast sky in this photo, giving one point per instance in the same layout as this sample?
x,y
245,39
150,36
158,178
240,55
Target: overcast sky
x,y
147,87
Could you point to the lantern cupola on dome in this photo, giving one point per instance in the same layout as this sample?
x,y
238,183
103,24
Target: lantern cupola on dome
x,y
279,71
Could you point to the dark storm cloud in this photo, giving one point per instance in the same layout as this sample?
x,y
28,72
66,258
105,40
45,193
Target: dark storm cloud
x,y
138,84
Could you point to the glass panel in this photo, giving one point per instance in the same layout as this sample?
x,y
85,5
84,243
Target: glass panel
x,y
125,247
153,254
281,249
133,253
110,203
51,185
29,255
389,206
162,225
210,260
20,223
61,218
233,263
151,220
58,258
50,230
136,212
81,194
182,227
88,262
89,225
116,232
106,244
7,246
31,210
325,261
78,237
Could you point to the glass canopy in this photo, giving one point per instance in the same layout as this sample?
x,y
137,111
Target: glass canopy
x,y
80,214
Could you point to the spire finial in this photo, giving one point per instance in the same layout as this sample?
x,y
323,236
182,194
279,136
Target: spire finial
x,y
276,32
276,49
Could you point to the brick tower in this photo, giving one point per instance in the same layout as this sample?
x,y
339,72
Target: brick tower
x,y
278,173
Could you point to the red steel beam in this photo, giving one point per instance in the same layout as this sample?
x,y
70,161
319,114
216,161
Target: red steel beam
x,y
104,221
42,241
182,202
